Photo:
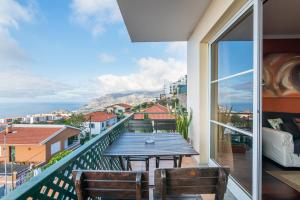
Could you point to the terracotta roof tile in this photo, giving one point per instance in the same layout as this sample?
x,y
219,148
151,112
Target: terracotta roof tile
x,y
124,105
28,135
157,108
99,116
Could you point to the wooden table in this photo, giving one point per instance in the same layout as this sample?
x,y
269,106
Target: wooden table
x,y
166,144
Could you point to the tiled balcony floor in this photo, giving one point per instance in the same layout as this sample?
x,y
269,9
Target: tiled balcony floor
x,y
186,162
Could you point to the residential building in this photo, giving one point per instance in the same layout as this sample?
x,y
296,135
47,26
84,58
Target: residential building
x,y
119,108
35,118
155,112
6,120
172,88
181,94
97,122
236,58
42,118
242,56
36,143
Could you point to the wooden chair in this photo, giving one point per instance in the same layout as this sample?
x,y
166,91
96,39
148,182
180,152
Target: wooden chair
x,y
189,183
168,125
129,159
111,184
140,126
175,159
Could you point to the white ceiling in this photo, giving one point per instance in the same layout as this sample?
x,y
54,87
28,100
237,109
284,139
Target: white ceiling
x,y
161,20
281,18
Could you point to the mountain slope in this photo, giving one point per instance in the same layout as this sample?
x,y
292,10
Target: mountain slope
x,y
132,98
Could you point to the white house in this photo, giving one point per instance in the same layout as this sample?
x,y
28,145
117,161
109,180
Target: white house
x,y
119,108
96,122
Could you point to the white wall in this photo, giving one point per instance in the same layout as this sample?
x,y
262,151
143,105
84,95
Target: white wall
x,y
218,12
98,126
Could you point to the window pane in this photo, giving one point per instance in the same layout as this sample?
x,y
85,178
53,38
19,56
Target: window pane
x,y
233,149
232,101
233,51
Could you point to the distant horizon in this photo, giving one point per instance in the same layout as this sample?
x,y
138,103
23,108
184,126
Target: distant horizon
x,y
87,101
11,110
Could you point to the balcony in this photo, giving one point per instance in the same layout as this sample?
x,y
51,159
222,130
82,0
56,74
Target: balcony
x,y
56,181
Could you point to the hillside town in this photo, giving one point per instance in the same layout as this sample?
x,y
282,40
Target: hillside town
x,y
30,144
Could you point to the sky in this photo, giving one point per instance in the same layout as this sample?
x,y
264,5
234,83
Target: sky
x,y
77,50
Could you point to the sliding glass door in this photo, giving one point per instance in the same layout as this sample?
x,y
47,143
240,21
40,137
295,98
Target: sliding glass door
x,y
235,100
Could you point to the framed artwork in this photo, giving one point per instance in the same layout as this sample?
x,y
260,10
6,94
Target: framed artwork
x,y
281,75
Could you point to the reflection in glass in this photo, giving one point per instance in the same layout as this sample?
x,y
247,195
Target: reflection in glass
x,y
233,149
233,51
232,101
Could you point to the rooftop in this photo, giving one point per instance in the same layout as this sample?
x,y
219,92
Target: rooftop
x,y
99,116
124,105
158,113
32,134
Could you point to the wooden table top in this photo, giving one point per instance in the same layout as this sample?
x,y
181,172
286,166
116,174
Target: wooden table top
x,y
166,144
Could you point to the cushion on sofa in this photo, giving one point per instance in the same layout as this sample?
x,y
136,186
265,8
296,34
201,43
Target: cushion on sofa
x,y
292,128
275,123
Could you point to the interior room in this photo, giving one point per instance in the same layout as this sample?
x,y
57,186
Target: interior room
x,y
281,100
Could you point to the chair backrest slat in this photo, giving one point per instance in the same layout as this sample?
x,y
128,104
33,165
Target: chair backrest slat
x,y
167,125
140,126
188,181
111,184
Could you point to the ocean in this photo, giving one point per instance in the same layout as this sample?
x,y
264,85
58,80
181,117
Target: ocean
x,y
22,109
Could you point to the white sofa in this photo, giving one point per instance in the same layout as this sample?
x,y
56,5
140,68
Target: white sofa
x,y
279,147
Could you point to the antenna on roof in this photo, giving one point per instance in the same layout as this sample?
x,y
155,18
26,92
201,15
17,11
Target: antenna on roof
x,y
8,129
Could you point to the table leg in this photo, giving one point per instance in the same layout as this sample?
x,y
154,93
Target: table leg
x,y
179,161
175,161
121,163
128,164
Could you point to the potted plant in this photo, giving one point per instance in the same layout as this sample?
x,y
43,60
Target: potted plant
x,y
183,121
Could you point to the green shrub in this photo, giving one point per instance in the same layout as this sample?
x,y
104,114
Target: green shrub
x,y
56,158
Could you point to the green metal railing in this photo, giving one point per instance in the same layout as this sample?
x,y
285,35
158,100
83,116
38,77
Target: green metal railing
x,y
56,181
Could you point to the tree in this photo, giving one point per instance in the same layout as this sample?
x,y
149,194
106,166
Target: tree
x,y
77,121
16,121
144,105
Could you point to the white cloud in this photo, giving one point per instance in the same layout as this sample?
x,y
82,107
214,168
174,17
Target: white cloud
x,y
11,14
19,83
95,14
177,49
107,58
151,76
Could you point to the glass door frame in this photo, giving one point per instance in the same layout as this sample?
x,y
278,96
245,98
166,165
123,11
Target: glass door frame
x,y
235,187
